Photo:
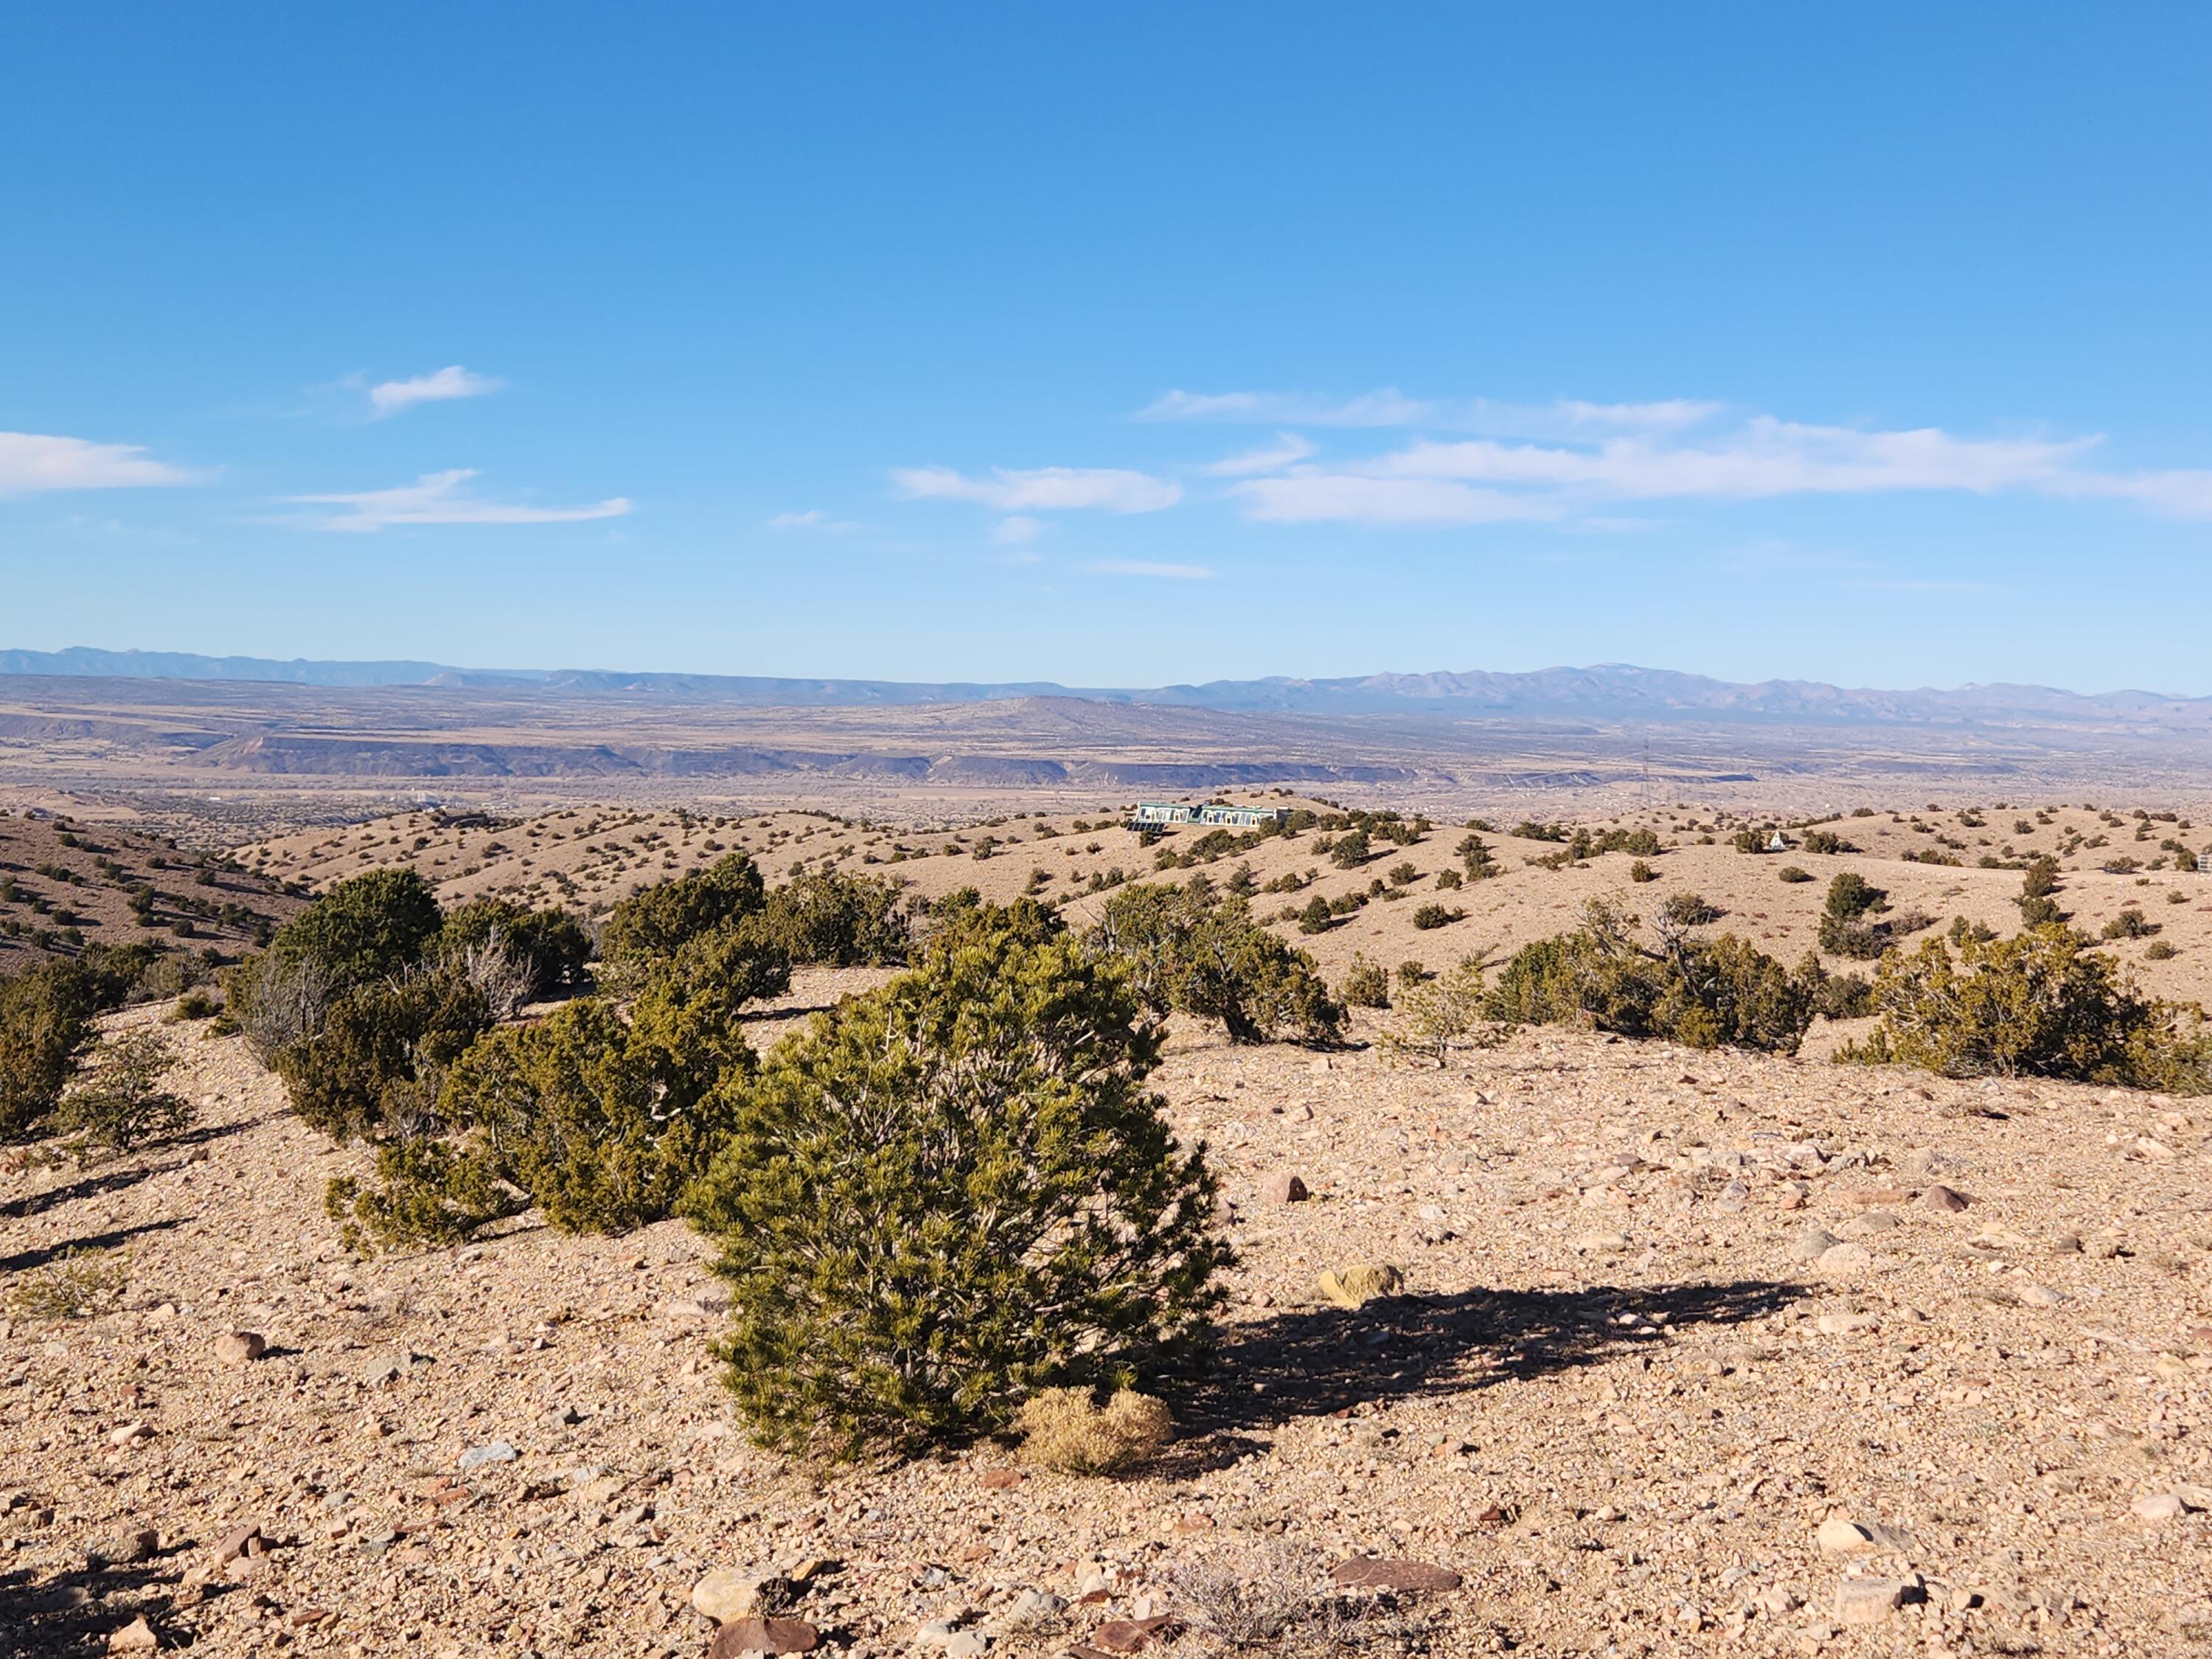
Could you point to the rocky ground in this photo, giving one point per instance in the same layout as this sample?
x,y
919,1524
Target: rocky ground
x,y
1692,1352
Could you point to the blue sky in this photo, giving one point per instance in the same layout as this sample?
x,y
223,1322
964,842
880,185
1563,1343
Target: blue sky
x,y
1114,345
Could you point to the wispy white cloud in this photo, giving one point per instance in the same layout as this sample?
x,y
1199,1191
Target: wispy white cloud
x,y
439,498
1189,573
1014,531
1351,498
814,520
1287,450
32,463
1390,407
1483,480
388,397
1042,489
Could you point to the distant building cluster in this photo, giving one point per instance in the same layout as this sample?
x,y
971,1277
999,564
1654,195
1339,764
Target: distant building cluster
x,y
1171,814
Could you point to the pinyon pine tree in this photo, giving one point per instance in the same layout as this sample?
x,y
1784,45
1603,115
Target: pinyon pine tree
x,y
953,1191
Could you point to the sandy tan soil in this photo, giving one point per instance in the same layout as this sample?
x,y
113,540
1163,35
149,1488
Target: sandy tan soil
x,y
1620,1396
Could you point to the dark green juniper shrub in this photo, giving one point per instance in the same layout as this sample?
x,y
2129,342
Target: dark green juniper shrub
x,y
1703,993
2041,1004
1189,950
656,922
839,921
45,1023
953,1191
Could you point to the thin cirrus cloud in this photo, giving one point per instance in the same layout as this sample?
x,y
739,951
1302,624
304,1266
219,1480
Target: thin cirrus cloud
x,y
1429,483
1042,489
1186,573
441,498
1389,407
1287,450
813,519
35,463
389,397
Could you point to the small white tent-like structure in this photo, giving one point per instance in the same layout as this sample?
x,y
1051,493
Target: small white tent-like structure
x,y
1777,845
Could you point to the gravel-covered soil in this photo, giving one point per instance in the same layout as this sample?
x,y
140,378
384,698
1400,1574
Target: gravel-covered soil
x,y
1664,1316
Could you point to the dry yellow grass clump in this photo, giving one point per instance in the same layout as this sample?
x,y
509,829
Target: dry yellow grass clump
x,y
1064,1429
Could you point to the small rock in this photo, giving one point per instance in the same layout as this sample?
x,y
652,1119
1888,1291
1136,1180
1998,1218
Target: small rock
x,y
2158,1506
1360,1283
966,1644
1870,1225
1000,1480
130,1435
755,1634
1845,1259
1944,1200
1382,1572
1284,1187
1811,1241
935,1634
1838,1536
1843,1324
2040,1295
1868,1600
136,1637
729,1593
240,1347
1132,1635
236,1542
492,1451
1601,1243
383,1372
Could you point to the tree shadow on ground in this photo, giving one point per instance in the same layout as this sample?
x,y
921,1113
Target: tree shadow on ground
x,y
1313,1362
26,1260
101,1183
77,1612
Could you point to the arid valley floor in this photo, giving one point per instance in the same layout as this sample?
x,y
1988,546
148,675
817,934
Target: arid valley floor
x,y
1695,1351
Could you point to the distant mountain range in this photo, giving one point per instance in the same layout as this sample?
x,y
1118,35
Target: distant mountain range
x,y
1606,691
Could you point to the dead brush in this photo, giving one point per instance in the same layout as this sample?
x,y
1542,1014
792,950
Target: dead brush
x,y
1064,1429
1278,1599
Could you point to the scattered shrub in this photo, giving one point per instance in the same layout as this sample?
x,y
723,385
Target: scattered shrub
x,y
1350,850
549,947
1432,916
1703,993
119,1103
2159,951
1640,871
1792,872
1844,930
2038,908
2127,924
2041,1004
1188,950
1449,880
1365,984
373,1067
1065,1431
840,921
951,1192
79,1283
656,922
45,1023
1443,1013
367,928
1474,853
